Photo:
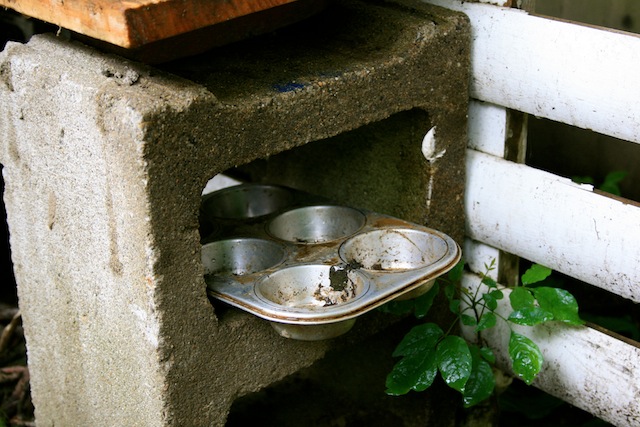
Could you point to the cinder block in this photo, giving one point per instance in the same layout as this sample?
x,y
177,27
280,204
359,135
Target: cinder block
x,y
105,160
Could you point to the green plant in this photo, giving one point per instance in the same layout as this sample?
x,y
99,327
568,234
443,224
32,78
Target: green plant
x,y
610,184
467,367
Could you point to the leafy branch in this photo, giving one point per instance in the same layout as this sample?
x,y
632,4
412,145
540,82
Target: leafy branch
x,y
467,367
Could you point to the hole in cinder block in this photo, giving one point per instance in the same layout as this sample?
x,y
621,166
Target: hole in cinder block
x,y
378,166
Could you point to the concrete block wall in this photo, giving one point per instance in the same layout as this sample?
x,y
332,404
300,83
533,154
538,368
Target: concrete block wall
x,y
104,163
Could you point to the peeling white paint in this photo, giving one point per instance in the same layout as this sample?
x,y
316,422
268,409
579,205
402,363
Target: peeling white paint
x,y
429,146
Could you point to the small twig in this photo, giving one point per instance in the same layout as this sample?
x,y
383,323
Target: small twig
x,y
7,332
11,373
7,312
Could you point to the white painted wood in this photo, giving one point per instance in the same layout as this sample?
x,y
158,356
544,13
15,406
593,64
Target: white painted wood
x,y
487,127
579,75
477,255
555,222
588,368
495,2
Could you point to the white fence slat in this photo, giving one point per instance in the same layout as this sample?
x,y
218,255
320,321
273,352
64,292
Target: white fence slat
x,y
575,74
583,366
555,222
487,127
477,255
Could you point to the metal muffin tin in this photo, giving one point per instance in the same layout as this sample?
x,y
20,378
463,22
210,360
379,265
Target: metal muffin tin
x,y
310,266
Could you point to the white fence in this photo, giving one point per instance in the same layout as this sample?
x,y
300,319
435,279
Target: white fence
x,y
586,77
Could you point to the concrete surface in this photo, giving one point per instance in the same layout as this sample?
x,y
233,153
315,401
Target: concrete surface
x,y
104,163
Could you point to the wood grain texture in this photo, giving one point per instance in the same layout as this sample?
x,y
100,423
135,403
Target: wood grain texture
x,y
134,23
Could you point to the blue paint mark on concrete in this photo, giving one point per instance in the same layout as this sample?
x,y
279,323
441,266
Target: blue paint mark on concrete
x,y
288,87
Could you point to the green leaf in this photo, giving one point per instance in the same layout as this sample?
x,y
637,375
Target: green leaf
x,y
487,321
536,273
525,356
560,303
521,298
468,320
420,339
611,181
489,282
420,306
490,301
454,306
399,308
424,302
487,354
450,291
497,294
413,372
530,316
491,266
481,382
418,368
455,275
454,361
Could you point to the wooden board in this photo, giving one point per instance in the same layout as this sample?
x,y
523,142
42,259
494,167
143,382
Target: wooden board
x,y
575,74
135,23
588,367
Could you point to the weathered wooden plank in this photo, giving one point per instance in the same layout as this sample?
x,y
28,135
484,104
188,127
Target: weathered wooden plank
x,y
575,74
487,127
552,221
134,23
587,367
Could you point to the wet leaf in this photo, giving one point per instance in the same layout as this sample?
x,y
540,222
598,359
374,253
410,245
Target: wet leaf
x,y
420,339
414,372
530,316
481,382
487,321
418,368
526,357
521,298
536,273
560,303
454,361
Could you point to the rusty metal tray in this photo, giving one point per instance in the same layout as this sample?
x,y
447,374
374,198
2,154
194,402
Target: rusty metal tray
x,y
310,266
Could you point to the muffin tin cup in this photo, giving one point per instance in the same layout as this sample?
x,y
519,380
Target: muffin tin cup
x,y
246,201
312,267
316,224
